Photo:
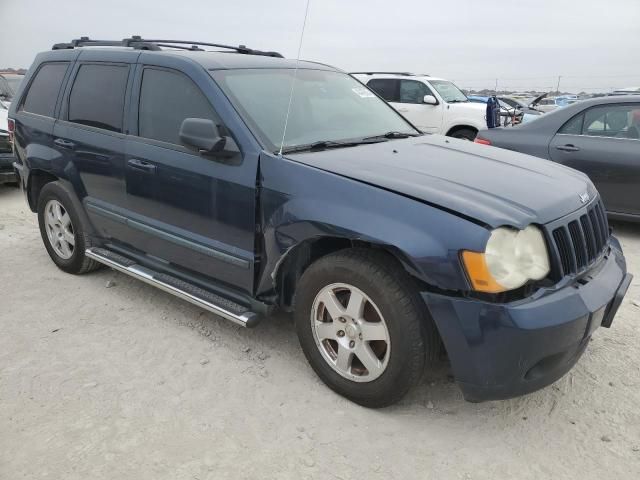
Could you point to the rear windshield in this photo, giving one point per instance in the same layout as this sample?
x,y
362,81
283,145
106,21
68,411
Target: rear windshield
x,y
326,106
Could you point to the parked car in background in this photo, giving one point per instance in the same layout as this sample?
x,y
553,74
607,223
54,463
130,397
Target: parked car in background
x,y
600,137
434,105
564,100
9,83
516,114
627,91
175,167
522,105
546,104
508,115
7,173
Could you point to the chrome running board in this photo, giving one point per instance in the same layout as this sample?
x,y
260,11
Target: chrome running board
x,y
209,301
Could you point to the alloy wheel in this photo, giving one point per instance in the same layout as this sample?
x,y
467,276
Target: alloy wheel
x,y
59,229
350,332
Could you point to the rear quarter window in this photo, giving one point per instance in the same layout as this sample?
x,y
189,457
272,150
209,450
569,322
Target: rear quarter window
x,y
43,92
573,126
97,96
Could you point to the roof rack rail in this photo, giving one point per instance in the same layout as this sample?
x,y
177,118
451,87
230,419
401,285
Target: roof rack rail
x,y
406,74
139,43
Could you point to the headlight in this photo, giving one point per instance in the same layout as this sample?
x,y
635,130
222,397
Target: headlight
x,y
511,258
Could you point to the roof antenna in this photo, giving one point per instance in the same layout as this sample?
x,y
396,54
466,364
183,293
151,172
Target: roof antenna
x,y
293,80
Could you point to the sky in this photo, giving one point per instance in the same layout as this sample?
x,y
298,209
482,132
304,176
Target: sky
x,y
524,44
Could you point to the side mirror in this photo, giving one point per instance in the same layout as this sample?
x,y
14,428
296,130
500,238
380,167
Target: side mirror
x,y
202,134
429,100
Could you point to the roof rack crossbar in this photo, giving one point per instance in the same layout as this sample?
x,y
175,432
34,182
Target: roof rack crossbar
x,y
140,43
239,49
181,47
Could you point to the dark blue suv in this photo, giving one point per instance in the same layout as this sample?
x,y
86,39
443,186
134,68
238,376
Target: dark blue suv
x,y
173,165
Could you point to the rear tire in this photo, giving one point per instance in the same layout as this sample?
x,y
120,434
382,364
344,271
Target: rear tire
x,y
63,233
392,310
464,134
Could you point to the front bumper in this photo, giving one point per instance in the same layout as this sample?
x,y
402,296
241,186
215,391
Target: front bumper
x,y
499,351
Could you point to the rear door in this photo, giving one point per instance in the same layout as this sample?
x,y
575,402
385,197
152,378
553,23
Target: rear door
x,y
604,143
91,129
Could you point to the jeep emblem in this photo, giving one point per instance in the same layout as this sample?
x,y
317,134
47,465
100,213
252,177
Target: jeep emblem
x,y
584,197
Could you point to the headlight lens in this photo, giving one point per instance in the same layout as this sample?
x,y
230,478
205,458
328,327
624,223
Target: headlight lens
x,y
511,258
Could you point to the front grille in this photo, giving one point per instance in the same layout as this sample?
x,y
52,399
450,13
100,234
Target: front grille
x,y
580,241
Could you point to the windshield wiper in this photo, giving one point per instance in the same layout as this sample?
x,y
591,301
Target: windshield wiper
x,y
391,135
326,144
320,145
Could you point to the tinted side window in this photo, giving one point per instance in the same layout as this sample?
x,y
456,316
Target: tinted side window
x,y
386,88
412,91
166,99
97,96
620,121
43,92
573,126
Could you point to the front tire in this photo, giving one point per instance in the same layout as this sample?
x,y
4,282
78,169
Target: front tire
x,y
363,327
62,231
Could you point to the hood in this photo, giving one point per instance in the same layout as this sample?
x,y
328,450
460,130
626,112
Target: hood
x,y
537,99
471,108
487,185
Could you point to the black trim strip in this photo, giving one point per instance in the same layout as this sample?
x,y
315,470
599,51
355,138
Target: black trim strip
x,y
169,237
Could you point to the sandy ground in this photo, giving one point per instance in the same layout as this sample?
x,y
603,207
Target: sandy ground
x,y
128,382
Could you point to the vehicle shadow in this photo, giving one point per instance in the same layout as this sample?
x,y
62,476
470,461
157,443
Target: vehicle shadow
x,y
277,334
629,230
6,190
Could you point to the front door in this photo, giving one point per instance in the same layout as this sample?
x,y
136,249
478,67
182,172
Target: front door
x,y
195,211
604,143
428,118
407,97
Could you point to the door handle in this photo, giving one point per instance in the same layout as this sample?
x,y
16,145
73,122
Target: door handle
x,y
142,165
403,110
62,143
568,148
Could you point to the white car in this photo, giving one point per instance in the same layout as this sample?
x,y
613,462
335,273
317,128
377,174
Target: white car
x,y
434,105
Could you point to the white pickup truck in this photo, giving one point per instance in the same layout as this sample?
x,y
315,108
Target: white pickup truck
x,y
434,105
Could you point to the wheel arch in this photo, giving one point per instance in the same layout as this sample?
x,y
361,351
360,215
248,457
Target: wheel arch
x,y
35,183
296,260
40,180
457,128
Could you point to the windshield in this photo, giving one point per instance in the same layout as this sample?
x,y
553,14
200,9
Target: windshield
x,y
327,106
448,91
